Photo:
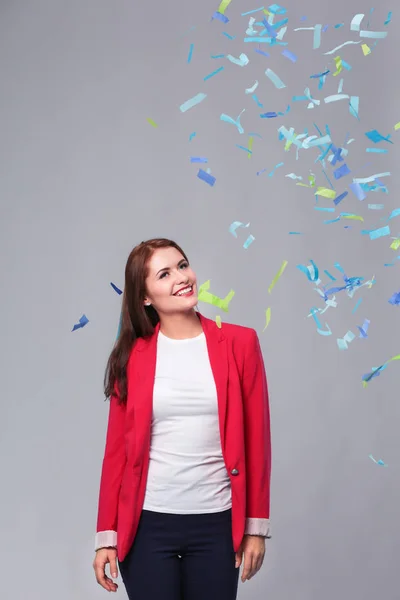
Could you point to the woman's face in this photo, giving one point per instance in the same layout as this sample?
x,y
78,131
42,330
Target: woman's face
x,y
169,272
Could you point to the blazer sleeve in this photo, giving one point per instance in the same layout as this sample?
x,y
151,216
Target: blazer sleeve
x,y
111,476
257,435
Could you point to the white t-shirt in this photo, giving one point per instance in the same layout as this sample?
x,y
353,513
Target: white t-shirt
x,y
187,473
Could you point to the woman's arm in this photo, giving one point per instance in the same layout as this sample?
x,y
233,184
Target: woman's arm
x,y
111,476
257,439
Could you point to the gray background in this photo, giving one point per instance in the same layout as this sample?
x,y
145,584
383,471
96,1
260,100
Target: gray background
x,y
84,178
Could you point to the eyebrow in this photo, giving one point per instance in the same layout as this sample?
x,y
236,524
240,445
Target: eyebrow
x,y
167,268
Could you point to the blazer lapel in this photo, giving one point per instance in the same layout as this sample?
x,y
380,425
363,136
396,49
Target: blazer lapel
x,y
142,374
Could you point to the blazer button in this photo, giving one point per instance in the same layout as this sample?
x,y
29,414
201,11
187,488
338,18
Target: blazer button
x,y
234,472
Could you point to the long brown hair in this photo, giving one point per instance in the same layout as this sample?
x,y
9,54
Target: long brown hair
x,y
137,320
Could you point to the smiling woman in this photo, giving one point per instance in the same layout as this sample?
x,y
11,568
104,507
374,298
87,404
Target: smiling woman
x,y
188,424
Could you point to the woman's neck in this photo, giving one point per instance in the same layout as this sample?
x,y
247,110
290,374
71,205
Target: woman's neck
x,y
181,326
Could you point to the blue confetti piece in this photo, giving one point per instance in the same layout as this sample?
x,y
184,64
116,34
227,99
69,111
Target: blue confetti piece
x,y
230,37
82,322
358,191
269,28
268,115
261,52
220,16
198,159
114,287
318,75
341,171
395,299
289,55
206,177
192,135
340,198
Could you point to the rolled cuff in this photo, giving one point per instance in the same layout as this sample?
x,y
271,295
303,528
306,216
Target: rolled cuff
x,y
105,539
257,527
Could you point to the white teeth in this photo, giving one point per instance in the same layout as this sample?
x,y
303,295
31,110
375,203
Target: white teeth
x,y
185,291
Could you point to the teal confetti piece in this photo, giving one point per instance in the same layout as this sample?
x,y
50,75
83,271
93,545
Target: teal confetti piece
x,y
192,102
213,73
329,275
378,233
278,83
190,53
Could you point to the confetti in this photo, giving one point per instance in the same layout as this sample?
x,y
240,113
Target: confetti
x,y
223,6
198,159
325,192
220,17
378,462
366,49
278,83
378,233
358,191
82,322
205,296
151,122
218,321
340,198
343,342
357,305
341,171
311,271
252,89
395,299
237,124
364,328
189,58
341,46
235,225
192,102
213,73
116,289
267,317
376,371
289,55
206,177
277,276
242,61
377,137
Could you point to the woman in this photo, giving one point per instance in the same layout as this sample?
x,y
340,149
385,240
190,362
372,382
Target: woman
x,y
185,483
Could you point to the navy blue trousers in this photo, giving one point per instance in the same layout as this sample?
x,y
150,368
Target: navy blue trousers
x,y
181,557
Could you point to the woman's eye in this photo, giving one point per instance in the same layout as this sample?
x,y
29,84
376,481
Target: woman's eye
x,y
184,265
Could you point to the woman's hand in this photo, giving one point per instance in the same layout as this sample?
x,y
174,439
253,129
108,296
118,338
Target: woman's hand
x,y
253,548
104,556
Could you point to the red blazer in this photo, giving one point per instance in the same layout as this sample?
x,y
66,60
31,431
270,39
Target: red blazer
x,y
244,425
